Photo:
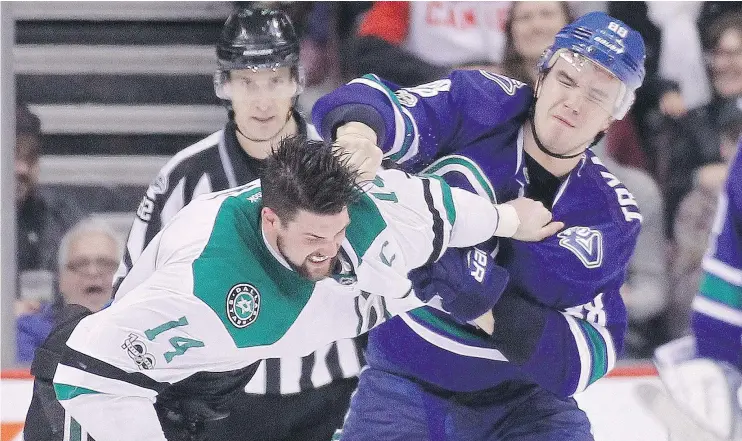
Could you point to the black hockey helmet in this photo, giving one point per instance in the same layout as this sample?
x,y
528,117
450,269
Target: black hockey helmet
x,y
254,38
257,37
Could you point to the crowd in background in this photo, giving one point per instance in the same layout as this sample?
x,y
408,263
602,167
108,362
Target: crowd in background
x,y
671,151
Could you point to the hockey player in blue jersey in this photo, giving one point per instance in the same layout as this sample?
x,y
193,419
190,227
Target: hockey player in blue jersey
x,y
561,322
702,372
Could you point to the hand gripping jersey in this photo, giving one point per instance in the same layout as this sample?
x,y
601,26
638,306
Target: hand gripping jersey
x,y
717,316
209,298
561,321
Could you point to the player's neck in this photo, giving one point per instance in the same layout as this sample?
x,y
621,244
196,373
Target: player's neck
x,y
556,166
261,149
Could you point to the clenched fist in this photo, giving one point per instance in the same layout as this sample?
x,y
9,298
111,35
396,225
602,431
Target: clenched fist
x,y
359,141
535,220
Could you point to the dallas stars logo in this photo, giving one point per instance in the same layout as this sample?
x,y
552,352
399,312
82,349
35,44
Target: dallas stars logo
x,y
243,305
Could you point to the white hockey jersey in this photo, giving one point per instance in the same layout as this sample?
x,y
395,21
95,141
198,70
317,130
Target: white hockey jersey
x,y
210,296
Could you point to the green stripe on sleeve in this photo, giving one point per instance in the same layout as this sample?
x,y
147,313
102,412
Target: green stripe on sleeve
x,y
366,223
75,430
67,392
599,356
721,291
448,328
468,168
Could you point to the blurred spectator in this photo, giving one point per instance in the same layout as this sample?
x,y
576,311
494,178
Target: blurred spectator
x,y
694,140
328,29
529,30
583,7
675,79
712,10
41,218
88,257
724,54
411,43
328,26
645,289
694,220
680,56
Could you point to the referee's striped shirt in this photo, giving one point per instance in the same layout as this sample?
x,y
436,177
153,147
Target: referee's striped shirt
x,y
215,163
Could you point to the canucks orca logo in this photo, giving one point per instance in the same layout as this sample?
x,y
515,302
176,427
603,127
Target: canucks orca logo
x,y
406,98
585,243
508,85
243,305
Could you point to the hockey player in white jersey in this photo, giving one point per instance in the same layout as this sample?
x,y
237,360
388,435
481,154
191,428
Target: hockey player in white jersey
x,y
279,267
258,79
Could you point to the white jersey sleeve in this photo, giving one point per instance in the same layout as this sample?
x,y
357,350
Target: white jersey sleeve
x,y
427,215
216,300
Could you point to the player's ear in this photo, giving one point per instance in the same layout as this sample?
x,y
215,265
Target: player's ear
x,y
270,218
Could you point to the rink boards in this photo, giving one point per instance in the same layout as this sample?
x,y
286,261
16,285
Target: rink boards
x,y
612,403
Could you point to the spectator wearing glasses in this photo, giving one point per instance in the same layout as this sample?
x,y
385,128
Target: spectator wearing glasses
x,y
87,259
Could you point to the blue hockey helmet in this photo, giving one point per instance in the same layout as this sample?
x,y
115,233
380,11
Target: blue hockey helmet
x,y
608,42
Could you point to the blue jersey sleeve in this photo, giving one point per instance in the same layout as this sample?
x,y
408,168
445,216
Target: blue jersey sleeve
x,y
563,351
418,124
717,309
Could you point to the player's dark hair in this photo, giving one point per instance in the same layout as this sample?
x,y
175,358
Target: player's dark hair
x,y
27,134
718,27
26,122
302,174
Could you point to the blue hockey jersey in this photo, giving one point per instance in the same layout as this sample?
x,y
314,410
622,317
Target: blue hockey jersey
x,y
717,309
561,321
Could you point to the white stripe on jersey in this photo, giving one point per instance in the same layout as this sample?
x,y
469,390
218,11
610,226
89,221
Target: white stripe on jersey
x,y
717,310
320,371
203,186
414,147
610,348
291,373
348,358
257,384
586,361
173,204
725,272
452,345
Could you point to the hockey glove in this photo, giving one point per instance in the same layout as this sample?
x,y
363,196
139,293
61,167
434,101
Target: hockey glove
x,y
467,281
185,420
